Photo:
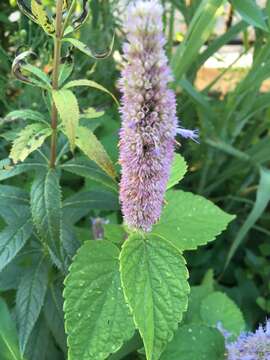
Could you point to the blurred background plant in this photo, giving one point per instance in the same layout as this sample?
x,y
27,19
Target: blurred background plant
x,y
227,98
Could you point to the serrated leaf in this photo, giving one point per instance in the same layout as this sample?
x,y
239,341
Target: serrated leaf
x,y
89,83
251,13
65,70
218,308
68,108
26,114
41,16
92,147
189,220
29,299
88,169
195,342
93,295
154,278
13,238
179,168
21,168
9,349
28,140
46,208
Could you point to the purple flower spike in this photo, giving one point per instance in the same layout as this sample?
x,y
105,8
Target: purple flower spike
x,y
251,346
148,112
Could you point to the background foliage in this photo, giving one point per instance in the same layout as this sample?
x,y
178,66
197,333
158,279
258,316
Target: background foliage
x,y
229,166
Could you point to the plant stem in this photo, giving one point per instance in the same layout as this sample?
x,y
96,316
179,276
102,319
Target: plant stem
x,y
56,63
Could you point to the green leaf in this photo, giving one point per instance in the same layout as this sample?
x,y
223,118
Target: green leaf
x,y
41,16
43,80
11,195
38,343
189,220
46,208
28,140
262,200
219,308
197,294
199,30
251,13
154,278
68,108
87,51
21,168
26,114
93,295
179,168
9,349
99,200
114,233
13,238
90,146
29,299
91,113
89,83
88,169
65,70
54,315
195,342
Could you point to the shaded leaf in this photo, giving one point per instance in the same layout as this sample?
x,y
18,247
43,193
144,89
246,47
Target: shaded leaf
x,y
195,342
88,169
29,299
13,238
46,208
218,308
9,349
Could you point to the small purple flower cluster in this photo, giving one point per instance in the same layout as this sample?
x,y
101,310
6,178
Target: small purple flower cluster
x,y
251,346
148,112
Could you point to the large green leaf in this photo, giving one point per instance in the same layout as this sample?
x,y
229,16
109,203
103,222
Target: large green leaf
x,y
13,238
154,278
179,168
88,169
26,114
92,147
195,342
251,13
46,208
190,220
68,108
218,308
9,349
29,299
97,317
28,140
38,343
